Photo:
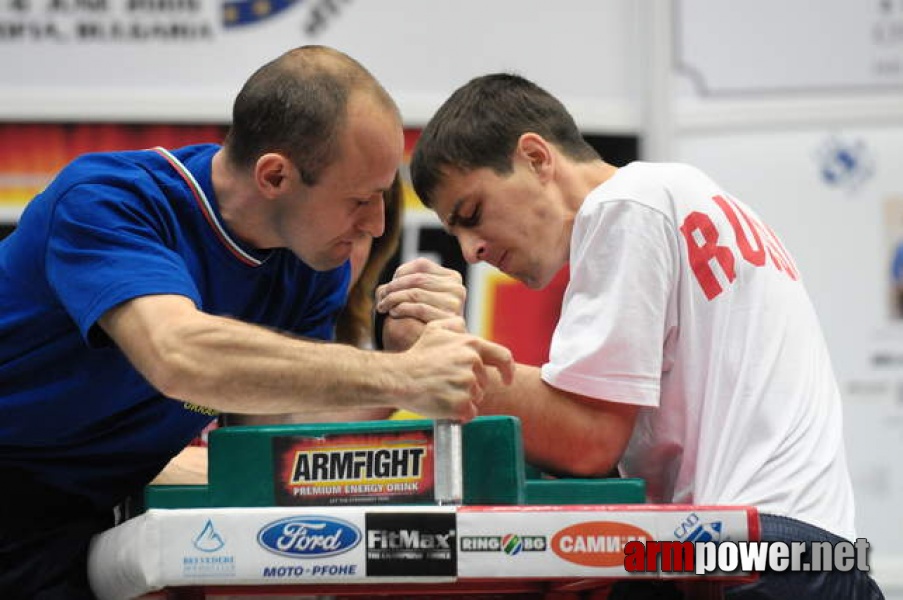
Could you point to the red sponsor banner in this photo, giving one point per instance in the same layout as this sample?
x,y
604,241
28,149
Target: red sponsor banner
x,y
31,154
379,468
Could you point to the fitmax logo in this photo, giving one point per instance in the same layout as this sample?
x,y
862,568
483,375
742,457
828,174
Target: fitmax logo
x,y
408,539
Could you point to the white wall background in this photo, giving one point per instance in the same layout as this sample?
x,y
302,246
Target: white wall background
x,y
797,107
420,50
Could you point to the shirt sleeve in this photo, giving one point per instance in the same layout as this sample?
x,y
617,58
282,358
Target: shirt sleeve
x,y
619,307
108,244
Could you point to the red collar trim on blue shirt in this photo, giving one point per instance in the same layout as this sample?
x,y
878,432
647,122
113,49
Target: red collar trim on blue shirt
x,y
207,209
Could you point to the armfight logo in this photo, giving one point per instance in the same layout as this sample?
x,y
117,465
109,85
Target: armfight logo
x,y
411,544
387,468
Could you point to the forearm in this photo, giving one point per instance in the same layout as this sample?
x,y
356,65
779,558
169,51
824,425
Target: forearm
x,y
236,367
562,433
330,416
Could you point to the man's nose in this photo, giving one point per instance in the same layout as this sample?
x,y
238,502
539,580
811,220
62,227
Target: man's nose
x,y
373,217
472,247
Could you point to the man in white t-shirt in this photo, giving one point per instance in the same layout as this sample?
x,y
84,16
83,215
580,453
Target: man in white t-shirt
x,y
687,352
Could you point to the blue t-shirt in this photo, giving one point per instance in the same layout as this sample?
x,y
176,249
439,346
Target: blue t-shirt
x,y
111,227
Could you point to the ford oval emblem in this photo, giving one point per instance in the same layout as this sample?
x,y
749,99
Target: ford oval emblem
x,y
309,537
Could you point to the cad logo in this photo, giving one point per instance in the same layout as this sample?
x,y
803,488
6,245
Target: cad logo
x,y
844,163
706,532
694,529
309,537
208,540
238,13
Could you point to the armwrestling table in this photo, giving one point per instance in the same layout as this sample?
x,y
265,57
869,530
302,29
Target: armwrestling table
x,y
350,509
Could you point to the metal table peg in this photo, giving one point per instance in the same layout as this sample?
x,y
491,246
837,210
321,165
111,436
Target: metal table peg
x,y
448,460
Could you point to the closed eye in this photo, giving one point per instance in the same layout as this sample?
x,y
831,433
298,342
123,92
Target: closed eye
x,y
361,202
472,220
369,200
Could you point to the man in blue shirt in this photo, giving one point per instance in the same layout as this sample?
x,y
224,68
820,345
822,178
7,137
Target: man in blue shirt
x,y
145,292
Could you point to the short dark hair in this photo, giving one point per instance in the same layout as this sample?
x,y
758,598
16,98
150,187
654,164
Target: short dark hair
x,y
479,126
296,105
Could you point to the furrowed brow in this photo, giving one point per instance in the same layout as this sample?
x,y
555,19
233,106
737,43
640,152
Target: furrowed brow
x,y
454,216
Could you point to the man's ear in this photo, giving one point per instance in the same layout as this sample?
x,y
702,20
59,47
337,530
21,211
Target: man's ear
x,y
537,153
274,174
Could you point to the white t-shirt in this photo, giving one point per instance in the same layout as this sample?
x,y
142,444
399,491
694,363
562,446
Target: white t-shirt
x,y
681,300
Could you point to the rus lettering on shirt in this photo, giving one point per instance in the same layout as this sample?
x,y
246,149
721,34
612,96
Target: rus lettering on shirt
x,y
756,243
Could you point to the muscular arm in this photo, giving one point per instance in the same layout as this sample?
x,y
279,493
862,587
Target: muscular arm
x,y
235,367
333,416
563,432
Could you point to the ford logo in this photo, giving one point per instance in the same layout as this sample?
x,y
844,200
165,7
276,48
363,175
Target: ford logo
x,y
309,537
